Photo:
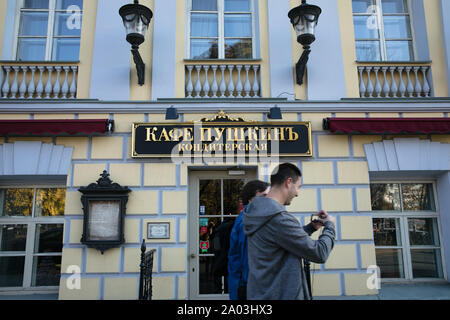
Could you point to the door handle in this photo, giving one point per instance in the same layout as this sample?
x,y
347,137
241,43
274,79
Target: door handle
x,y
192,255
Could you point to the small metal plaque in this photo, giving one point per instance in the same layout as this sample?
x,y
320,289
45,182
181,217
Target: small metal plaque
x,y
158,230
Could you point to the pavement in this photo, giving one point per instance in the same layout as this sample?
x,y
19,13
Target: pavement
x,y
391,291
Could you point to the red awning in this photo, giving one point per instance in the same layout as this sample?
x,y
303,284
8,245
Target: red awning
x,y
66,126
387,125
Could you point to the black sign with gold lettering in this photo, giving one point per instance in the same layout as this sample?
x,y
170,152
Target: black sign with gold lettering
x,y
221,136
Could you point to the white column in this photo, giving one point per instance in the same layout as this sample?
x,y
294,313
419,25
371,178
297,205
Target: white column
x,y
325,68
164,40
280,50
445,14
110,79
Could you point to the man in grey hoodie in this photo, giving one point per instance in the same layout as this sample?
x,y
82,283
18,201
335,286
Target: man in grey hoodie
x,y
277,243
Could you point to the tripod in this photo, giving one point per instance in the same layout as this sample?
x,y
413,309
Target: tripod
x,y
307,268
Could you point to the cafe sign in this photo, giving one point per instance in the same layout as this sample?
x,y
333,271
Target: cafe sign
x,y
221,136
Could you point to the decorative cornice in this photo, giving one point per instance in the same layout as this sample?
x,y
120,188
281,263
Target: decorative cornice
x,y
228,105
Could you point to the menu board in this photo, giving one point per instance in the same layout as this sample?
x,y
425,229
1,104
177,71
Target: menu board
x,y
104,220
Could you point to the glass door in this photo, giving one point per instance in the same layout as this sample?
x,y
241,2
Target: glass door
x,y
214,206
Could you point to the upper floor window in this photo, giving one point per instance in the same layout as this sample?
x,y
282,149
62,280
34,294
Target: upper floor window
x,y
49,30
382,30
221,29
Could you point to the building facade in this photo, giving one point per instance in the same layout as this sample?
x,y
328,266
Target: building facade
x,y
64,62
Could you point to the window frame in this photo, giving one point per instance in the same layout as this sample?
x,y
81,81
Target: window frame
x,y
381,38
403,217
50,31
28,253
221,30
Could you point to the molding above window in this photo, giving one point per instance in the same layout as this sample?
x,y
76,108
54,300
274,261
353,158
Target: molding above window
x,y
407,154
34,158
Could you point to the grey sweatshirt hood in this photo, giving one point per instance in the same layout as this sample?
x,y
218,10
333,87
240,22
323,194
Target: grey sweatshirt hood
x,y
259,212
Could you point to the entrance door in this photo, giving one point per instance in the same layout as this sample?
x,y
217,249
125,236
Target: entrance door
x,y
214,204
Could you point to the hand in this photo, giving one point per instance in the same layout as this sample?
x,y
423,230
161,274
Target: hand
x,y
324,217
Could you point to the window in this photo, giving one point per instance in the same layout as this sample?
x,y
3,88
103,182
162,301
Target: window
x,y
49,30
406,230
221,29
382,30
31,236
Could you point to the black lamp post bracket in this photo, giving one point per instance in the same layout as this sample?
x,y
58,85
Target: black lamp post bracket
x,y
140,65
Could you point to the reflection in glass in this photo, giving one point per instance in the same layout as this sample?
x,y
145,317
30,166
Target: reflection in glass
x,y
368,51
50,202
204,5
397,27
237,5
362,31
65,4
209,284
426,263
17,202
46,271
390,262
48,238
238,48
361,6
64,26
386,232
423,232
238,25
204,25
394,6
31,49
207,227
11,271
210,196
35,4
66,49
34,24
385,196
399,50
418,197
204,49
232,189
13,237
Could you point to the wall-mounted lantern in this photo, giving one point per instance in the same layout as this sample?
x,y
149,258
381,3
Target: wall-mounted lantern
x,y
304,19
136,19
104,208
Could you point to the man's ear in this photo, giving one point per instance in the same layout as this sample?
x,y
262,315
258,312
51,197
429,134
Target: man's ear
x,y
287,182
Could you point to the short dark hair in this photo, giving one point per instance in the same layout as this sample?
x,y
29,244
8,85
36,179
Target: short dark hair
x,y
283,172
251,188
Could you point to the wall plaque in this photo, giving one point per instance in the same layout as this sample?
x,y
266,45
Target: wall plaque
x,y
158,230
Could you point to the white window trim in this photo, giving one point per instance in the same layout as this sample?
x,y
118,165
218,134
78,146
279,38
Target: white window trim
x,y
220,35
50,27
405,245
382,40
29,254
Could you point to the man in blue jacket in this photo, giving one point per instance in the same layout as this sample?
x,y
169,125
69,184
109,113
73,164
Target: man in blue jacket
x,y
237,254
277,244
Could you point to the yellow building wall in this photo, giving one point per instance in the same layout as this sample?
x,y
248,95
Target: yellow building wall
x,y
335,179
